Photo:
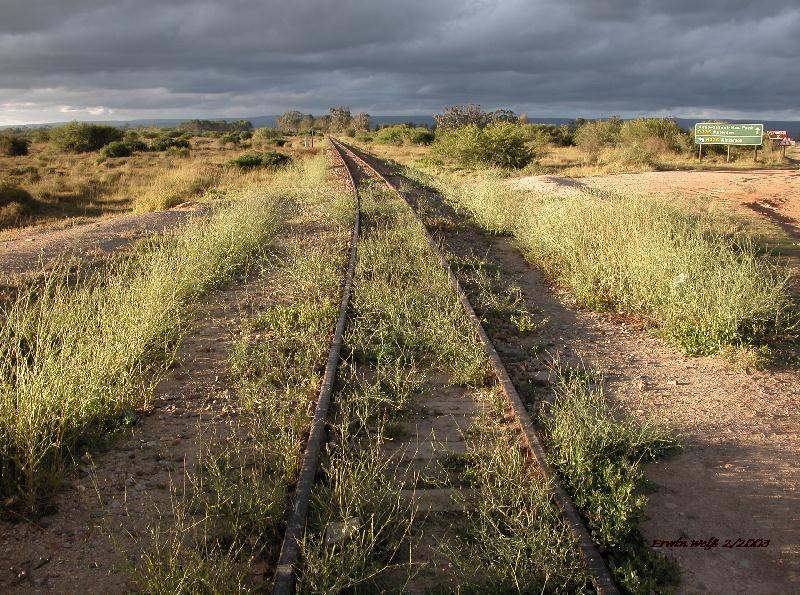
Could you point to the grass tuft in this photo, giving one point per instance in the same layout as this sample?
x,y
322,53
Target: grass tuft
x,y
705,290
599,453
77,354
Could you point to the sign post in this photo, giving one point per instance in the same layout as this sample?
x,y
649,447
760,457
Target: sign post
x,y
714,133
785,142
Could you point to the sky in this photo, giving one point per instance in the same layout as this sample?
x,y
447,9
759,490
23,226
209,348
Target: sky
x,y
64,60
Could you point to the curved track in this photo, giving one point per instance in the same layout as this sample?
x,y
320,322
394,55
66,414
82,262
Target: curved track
x,y
289,557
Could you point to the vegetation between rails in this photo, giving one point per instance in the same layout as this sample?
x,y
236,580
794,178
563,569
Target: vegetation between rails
x,y
78,354
705,290
405,324
516,540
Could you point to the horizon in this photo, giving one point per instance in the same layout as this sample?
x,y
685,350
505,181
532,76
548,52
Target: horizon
x,y
530,117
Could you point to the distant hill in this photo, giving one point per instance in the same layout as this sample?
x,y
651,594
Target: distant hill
x,y
792,127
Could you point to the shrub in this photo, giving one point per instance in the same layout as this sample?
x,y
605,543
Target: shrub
x,y
550,134
599,134
117,149
391,135
266,135
15,203
40,135
181,152
654,134
13,146
501,145
403,133
166,142
80,137
421,136
255,160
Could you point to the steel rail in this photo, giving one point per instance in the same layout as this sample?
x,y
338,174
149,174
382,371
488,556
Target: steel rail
x,y
285,573
595,564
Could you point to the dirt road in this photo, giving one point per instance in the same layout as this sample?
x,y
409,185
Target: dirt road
x,y
25,252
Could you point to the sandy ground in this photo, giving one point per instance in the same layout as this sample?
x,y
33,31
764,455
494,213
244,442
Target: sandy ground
x,y
738,474
772,195
27,249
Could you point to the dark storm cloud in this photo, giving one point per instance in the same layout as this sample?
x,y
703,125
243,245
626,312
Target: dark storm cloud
x,y
127,58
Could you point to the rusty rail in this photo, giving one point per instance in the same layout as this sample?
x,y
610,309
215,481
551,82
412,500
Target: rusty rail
x,y
290,547
601,577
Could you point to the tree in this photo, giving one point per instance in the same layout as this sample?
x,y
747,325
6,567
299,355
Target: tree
x,y
362,121
457,116
290,121
306,123
339,118
504,115
322,123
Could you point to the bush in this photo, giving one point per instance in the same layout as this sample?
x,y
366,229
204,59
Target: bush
x,y
80,137
117,149
255,160
599,134
15,203
403,133
181,152
500,145
266,135
40,135
391,135
549,134
421,136
654,134
14,146
166,142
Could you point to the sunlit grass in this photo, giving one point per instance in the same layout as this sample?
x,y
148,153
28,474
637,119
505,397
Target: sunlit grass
x,y
703,289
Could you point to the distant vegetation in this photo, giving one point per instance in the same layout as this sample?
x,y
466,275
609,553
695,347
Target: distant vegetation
x,y
13,146
338,119
255,160
196,126
80,137
404,134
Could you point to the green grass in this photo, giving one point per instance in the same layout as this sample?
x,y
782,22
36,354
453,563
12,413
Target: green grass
x,y
78,354
239,492
705,290
515,539
406,302
599,453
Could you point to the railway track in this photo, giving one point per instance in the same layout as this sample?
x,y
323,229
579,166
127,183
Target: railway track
x,y
443,435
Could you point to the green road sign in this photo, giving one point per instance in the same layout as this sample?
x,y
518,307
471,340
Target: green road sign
x,y
711,133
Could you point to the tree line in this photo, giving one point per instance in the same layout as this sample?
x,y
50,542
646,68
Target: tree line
x,y
338,119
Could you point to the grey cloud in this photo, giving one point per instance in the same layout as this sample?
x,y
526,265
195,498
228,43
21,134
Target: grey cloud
x,y
180,57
